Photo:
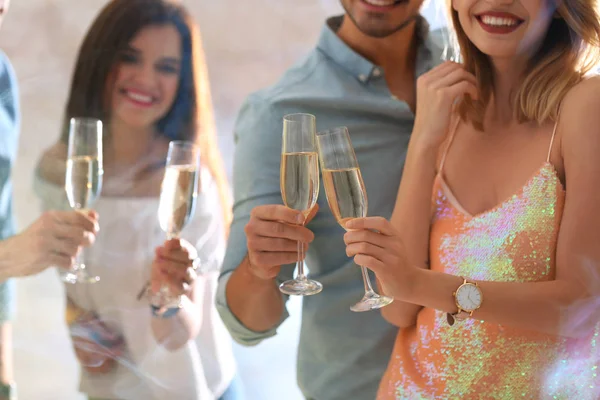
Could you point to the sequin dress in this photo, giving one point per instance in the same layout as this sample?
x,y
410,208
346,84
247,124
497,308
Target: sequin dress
x,y
513,242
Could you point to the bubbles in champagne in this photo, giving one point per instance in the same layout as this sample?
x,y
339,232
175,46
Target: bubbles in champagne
x,y
177,198
83,181
346,193
299,180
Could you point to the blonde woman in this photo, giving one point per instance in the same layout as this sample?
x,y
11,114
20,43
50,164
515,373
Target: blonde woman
x,y
492,251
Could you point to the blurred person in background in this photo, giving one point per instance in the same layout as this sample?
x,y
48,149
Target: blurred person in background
x,y
362,75
52,240
141,70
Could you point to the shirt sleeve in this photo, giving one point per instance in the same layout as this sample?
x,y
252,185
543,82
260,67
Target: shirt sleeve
x,y
255,182
9,138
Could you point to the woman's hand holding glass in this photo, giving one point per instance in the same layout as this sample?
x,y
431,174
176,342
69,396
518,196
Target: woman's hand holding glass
x,y
375,244
174,266
178,196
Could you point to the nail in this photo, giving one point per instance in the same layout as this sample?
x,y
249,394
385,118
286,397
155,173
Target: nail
x,y
300,218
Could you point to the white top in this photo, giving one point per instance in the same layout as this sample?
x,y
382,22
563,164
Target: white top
x,y
121,257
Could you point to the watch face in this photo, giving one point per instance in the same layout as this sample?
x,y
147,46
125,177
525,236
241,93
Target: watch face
x,y
468,297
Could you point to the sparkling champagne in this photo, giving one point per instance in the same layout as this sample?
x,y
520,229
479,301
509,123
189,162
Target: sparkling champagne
x,y
346,193
83,181
177,198
300,180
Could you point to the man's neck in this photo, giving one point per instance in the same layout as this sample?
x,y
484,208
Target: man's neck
x,y
395,54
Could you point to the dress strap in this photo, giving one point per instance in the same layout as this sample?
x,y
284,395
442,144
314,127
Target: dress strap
x,y
450,139
553,135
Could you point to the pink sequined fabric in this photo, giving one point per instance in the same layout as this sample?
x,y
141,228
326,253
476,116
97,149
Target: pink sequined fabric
x,y
513,242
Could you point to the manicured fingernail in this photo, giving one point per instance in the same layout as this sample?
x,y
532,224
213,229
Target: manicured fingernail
x,y
300,218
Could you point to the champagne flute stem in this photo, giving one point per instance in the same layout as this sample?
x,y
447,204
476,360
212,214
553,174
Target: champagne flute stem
x,y
79,258
172,236
367,281
300,263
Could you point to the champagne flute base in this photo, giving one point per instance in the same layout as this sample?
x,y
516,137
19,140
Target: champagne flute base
x,y
78,275
300,287
371,301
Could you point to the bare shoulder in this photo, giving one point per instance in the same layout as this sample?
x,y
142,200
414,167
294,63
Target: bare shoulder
x,y
52,164
581,99
580,115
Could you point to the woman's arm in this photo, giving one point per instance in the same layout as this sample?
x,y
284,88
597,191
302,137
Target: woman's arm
x,y
174,332
173,267
411,218
437,91
566,306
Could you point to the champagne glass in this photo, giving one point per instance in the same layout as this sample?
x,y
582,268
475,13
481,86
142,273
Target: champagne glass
x,y
83,181
299,180
346,196
178,194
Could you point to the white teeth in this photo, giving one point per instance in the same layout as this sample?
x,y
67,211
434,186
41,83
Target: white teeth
x,y
497,21
139,97
380,3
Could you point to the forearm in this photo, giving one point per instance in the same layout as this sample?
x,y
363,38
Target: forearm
x,y
400,313
8,269
411,217
553,307
176,331
256,303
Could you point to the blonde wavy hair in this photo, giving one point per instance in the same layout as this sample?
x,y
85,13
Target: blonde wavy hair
x,y
569,51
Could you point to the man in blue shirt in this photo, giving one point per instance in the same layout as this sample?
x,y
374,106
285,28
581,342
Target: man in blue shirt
x,y
52,240
361,75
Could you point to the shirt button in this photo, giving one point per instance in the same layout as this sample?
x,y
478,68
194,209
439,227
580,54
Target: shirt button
x,y
376,72
362,78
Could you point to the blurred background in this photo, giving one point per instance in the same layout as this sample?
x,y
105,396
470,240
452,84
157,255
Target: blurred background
x,y
248,45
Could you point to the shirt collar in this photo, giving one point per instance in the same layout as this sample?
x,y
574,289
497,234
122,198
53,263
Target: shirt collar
x,y
358,66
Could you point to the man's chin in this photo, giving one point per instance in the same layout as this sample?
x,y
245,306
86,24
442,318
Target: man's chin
x,y
381,31
376,33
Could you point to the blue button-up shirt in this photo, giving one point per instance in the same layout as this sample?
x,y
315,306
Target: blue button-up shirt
x,y
342,354
9,137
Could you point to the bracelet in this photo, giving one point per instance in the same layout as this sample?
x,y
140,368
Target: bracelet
x,y
161,312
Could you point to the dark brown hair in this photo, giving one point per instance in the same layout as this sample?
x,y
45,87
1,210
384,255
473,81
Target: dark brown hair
x,y
191,115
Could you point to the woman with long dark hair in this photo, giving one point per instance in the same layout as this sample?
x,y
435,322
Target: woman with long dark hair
x,y
141,71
